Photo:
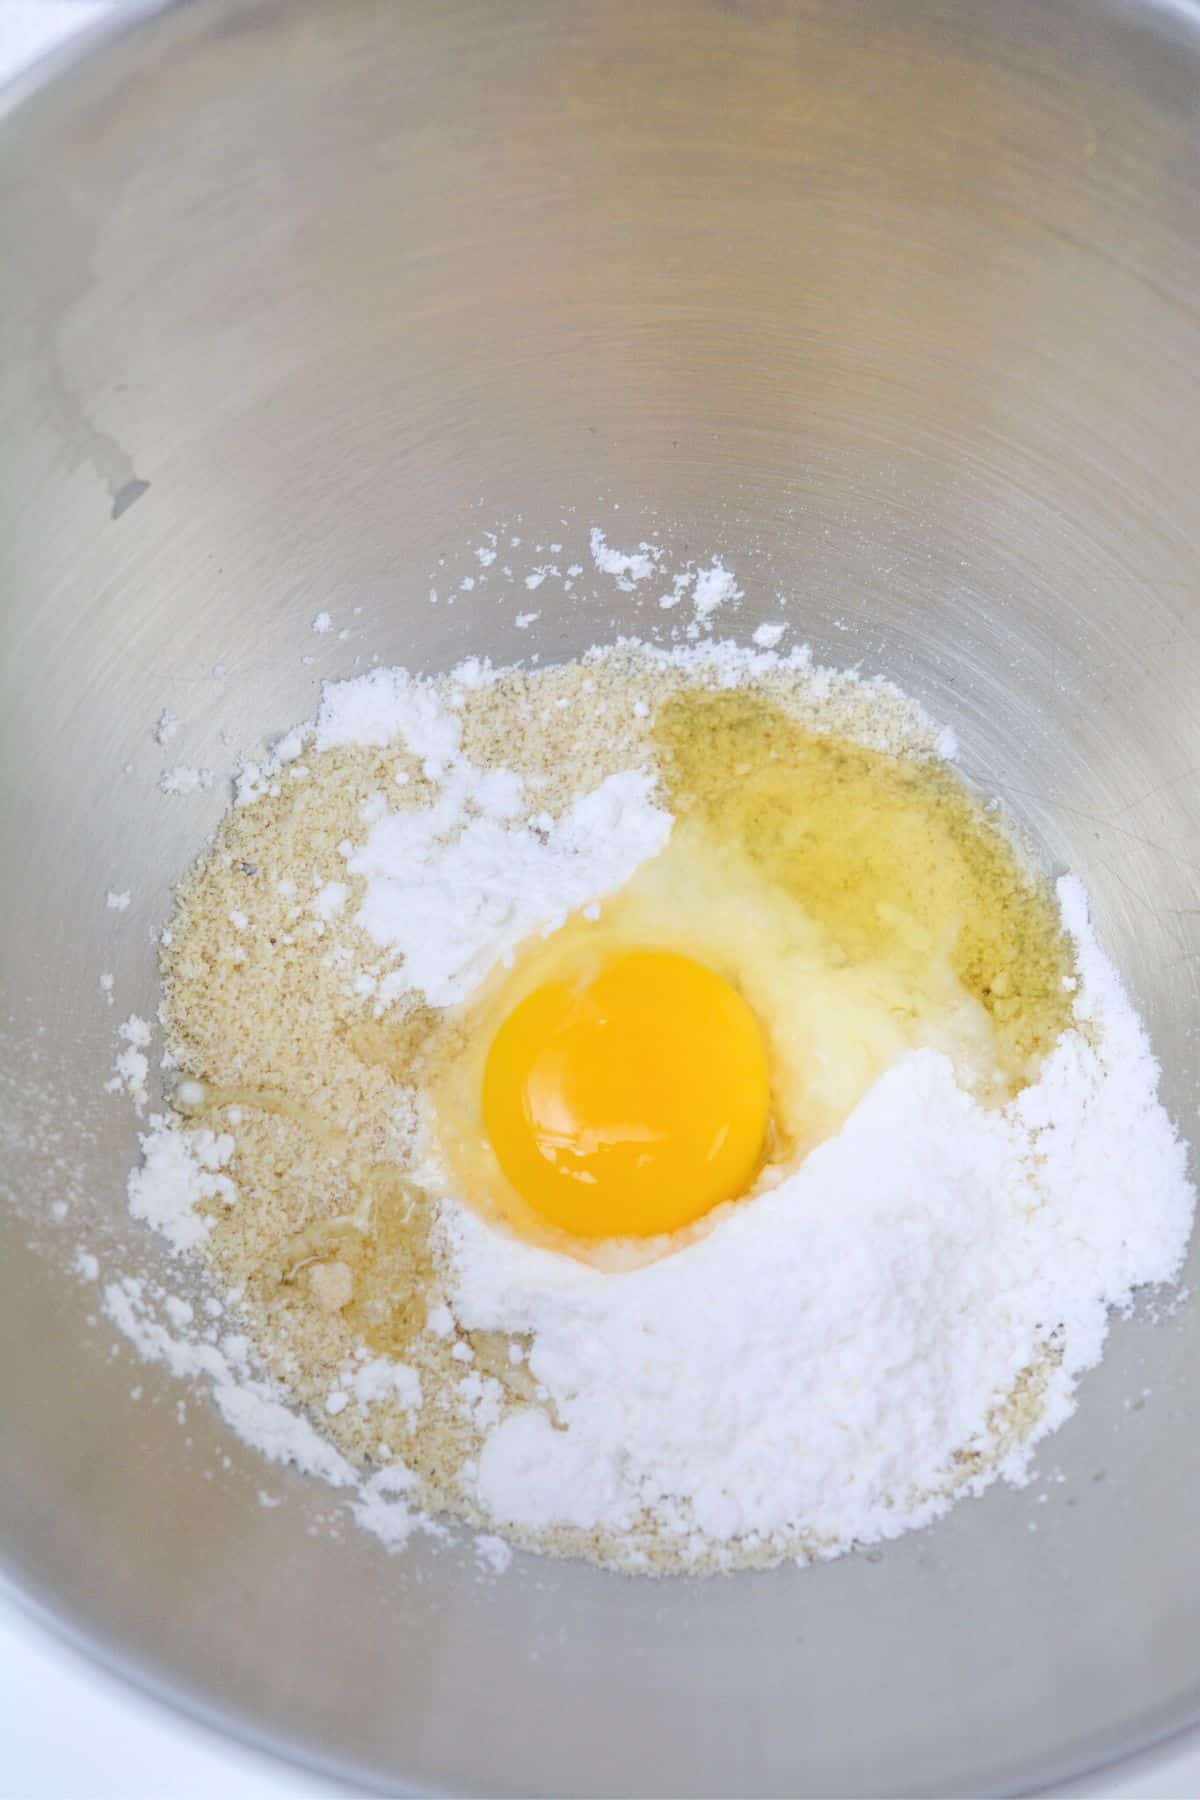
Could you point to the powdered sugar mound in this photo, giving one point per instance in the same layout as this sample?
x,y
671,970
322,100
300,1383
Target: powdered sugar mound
x,y
374,709
179,1169
455,887
815,1367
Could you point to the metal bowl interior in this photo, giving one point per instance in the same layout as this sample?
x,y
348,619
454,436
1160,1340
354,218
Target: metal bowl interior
x,y
894,306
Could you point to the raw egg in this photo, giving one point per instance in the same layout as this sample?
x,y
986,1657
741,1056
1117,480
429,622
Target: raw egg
x,y
820,910
631,1100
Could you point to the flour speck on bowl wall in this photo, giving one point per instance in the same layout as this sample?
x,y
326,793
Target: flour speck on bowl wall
x,y
599,854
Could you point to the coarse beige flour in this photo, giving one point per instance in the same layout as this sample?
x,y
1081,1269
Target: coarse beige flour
x,y
967,1165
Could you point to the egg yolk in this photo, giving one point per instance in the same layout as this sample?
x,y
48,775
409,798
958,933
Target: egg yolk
x,y
631,1101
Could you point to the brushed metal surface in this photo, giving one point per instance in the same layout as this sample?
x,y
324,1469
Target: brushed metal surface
x,y
895,304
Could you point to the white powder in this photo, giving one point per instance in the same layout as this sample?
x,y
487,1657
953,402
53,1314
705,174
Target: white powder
x,y
815,1363
183,779
253,779
131,1065
254,1409
679,587
493,1555
117,901
374,709
323,623
711,588
380,1379
714,587
628,567
767,636
106,984
385,1507
166,728
134,1030
178,1170
455,887
329,900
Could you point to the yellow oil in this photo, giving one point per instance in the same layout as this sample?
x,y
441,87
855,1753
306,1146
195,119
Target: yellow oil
x,y
888,854
385,1241
392,1264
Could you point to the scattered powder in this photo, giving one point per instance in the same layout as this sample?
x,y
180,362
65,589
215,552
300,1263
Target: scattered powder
x,y
166,728
715,586
387,1507
524,620
106,987
179,1170
323,623
117,902
492,1553
253,780
627,567
131,1065
257,1410
183,779
767,636
680,584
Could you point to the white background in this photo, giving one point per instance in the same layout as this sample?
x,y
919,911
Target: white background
x,y
69,1731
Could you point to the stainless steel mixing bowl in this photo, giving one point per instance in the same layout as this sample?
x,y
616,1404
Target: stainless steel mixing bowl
x,y
893,302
